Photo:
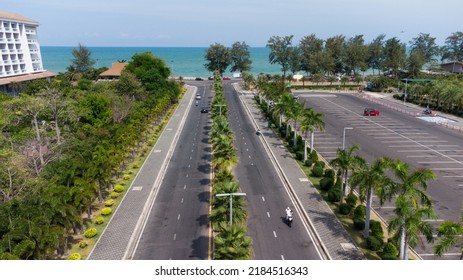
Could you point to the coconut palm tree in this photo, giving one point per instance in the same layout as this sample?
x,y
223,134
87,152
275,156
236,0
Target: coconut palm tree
x,y
221,204
311,120
232,243
346,160
449,234
294,115
369,179
412,205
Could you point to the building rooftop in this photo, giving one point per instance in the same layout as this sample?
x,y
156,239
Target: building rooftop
x,y
26,77
115,70
16,17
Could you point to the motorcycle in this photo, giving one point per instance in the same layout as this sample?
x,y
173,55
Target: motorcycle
x,y
427,111
289,218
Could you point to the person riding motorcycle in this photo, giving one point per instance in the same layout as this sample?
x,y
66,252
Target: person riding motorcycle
x,y
289,213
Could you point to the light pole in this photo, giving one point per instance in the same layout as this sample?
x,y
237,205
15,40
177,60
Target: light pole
x,y
344,137
405,92
231,202
220,107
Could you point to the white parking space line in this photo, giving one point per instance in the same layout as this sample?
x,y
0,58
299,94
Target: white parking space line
x,y
412,151
426,156
404,146
436,162
445,169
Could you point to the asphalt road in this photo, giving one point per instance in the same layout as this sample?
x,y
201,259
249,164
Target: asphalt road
x,y
177,226
399,135
265,194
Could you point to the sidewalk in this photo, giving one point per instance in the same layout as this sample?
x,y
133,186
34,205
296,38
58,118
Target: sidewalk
x,y
326,225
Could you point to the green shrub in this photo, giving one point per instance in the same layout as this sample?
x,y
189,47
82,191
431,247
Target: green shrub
x,y
126,177
130,171
99,220
91,232
334,194
390,251
344,209
114,195
374,243
300,155
74,257
351,199
326,183
109,203
359,223
136,165
320,163
360,212
330,173
314,156
308,162
317,171
83,244
376,229
119,188
106,211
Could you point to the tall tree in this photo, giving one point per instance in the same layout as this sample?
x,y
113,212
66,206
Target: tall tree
x,y
218,58
240,57
449,234
394,56
413,205
453,50
333,51
354,55
346,160
375,53
82,61
311,121
280,52
426,45
371,179
311,49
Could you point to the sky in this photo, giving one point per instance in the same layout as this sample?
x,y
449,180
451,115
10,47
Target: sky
x,y
200,23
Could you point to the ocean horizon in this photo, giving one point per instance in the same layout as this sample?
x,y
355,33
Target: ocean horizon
x,y
183,61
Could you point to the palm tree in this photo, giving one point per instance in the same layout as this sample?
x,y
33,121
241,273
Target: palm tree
x,y
295,114
221,204
232,243
412,204
369,179
450,234
345,161
311,120
282,106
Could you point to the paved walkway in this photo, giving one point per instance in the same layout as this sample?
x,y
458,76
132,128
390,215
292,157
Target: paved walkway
x,y
119,238
337,242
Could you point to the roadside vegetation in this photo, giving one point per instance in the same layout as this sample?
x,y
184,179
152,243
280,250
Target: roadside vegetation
x,y
69,148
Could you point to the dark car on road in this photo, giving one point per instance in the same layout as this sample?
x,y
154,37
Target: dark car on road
x,y
371,112
204,110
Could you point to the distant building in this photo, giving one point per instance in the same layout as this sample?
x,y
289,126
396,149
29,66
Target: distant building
x,y
453,67
114,73
20,57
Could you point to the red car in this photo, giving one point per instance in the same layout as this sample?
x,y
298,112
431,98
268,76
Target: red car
x,y
226,78
371,112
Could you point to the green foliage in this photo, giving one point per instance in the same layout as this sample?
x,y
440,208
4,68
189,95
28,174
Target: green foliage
x,y
330,173
314,156
114,195
82,60
99,220
82,244
96,110
136,165
317,171
109,203
390,252
126,177
119,188
374,243
106,211
359,223
376,229
217,58
300,155
91,232
334,194
351,199
149,69
308,162
344,209
326,183
7,256
360,211
74,257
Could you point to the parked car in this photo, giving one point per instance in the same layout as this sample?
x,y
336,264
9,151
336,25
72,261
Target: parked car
x,y
198,96
198,79
226,78
371,112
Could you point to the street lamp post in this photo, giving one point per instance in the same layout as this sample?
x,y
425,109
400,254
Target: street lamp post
x,y
231,202
344,137
220,107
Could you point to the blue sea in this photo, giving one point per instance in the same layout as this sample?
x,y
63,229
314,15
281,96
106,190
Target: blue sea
x,y
183,61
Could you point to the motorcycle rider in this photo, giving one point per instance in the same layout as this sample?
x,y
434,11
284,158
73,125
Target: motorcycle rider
x,y
289,213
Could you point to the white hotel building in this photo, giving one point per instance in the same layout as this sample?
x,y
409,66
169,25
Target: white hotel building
x,y
20,57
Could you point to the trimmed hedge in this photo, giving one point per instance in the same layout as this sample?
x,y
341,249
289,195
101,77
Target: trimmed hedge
x,y
109,203
119,188
374,243
317,171
91,232
106,211
74,257
99,220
